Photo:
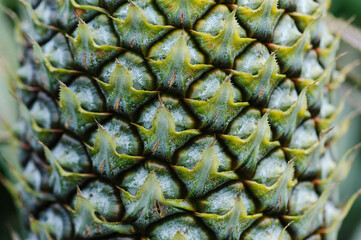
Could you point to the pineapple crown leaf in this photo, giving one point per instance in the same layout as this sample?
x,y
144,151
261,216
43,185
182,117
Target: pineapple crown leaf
x,y
261,21
251,150
135,32
219,110
176,71
204,175
226,45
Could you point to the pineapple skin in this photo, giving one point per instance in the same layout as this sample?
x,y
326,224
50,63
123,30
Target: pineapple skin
x,y
183,119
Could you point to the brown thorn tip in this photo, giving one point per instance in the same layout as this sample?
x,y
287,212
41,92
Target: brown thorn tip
x,y
228,78
132,4
99,125
160,101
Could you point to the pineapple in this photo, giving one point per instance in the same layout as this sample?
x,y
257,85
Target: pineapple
x,y
178,120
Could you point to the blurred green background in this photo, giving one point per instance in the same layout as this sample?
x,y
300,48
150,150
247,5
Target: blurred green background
x,y
351,228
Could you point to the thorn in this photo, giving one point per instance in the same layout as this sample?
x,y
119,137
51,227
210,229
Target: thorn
x,y
79,12
140,213
78,192
88,230
97,226
132,41
172,79
160,101
212,143
156,146
274,52
260,93
228,78
215,117
67,123
103,218
280,203
182,17
101,167
116,106
99,55
230,230
85,61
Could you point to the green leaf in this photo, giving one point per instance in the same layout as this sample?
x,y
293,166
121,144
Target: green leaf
x,y
73,116
61,180
86,52
183,13
291,57
120,94
204,176
251,150
40,229
162,139
50,75
261,21
304,158
331,232
274,198
219,110
85,220
176,71
106,159
285,122
304,224
232,224
258,88
149,204
340,172
226,45
135,32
